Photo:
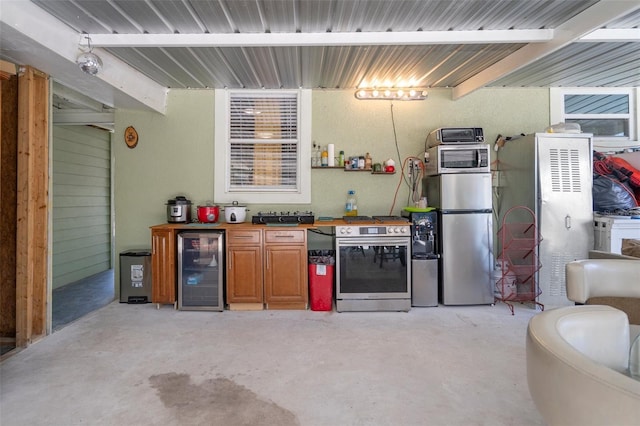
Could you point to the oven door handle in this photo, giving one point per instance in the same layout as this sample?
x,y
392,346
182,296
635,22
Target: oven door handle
x,y
349,242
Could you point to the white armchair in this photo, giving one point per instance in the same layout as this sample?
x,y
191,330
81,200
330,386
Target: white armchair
x,y
613,282
577,361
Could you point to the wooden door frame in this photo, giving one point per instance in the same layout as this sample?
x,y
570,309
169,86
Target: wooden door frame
x,y
32,240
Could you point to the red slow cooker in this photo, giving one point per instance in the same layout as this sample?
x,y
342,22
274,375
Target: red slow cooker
x,y
208,214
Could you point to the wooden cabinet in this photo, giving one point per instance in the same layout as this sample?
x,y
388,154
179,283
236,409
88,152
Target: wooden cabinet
x,y
163,265
285,271
267,267
244,269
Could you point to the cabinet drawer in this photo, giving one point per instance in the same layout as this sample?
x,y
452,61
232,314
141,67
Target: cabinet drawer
x,y
285,236
244,236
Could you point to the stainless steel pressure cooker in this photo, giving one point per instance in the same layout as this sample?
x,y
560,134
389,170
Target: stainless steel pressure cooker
x,y
178,210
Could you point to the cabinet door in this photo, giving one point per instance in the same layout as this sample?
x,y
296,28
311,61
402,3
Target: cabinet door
x,y
163,265
244,274
286,275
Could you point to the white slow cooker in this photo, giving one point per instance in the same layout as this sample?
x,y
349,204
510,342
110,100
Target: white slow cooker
x,y
235,213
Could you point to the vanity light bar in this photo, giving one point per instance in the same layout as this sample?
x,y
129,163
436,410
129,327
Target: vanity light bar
x,y
408,94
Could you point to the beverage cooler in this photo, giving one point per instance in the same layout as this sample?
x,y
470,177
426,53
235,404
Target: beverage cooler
x,y
200,270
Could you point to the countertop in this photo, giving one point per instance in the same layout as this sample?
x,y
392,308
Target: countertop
x,y
248,224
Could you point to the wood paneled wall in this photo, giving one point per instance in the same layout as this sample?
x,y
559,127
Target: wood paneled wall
x,y
32,206
8,193
81,203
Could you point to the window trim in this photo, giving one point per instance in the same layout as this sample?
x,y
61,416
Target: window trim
x,y
557,114
221,193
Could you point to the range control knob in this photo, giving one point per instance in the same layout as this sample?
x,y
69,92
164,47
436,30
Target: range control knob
x,y
389,230
403,229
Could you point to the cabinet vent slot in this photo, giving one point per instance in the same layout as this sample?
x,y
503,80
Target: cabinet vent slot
x,y
565,170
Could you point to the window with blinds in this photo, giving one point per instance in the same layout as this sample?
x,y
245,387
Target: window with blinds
x,y
609,113
262,146
263,141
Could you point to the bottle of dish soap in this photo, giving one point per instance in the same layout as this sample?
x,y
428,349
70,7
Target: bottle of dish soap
x,y
351,206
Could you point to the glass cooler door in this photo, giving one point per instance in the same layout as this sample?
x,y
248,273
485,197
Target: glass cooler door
x,y
200,267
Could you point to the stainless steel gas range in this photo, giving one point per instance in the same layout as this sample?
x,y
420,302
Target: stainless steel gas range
x,y
373,264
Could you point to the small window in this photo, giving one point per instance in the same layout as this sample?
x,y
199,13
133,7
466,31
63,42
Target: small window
x,y
608,113
603,115
261,139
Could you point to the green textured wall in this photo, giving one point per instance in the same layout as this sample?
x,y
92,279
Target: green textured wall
x,y
81,188
175,153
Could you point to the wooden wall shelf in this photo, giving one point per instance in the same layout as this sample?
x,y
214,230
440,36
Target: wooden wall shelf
x,y
354,170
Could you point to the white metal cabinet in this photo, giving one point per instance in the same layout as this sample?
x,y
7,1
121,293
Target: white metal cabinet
x,y
551,173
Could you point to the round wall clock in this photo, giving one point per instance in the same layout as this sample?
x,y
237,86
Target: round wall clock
x,y
131,137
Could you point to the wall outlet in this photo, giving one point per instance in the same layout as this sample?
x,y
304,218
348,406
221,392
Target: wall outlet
x,y
414,166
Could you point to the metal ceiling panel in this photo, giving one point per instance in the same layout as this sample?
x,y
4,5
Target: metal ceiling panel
x,y
632,20
141,14
255,16
582,64
437,65
213,16
74,16
336,67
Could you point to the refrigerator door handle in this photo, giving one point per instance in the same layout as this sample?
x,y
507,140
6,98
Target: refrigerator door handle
x,y
567,222
490,243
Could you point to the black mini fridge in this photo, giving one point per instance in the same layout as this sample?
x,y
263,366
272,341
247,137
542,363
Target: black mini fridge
x,y
135,276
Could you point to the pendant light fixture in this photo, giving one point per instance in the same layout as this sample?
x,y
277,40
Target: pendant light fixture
x,y
89,62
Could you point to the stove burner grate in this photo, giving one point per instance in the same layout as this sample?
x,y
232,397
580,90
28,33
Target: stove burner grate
x,y
352,219
389,218
283,217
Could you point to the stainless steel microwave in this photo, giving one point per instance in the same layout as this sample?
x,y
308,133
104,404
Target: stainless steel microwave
x,y
454,135
472,158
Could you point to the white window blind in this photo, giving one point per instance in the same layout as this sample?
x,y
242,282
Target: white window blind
x,y
609,113
263,142
262,146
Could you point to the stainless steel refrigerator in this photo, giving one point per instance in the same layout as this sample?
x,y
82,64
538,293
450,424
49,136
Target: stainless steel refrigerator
x,y
464,205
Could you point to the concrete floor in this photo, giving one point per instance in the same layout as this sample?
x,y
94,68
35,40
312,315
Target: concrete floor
x,y
136,365
77,299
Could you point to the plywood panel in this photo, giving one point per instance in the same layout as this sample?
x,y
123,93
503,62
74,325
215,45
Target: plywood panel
x,y
32,206
8,190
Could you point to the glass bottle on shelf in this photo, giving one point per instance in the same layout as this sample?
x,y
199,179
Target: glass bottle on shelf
x,y
325,158
315,155
367,161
